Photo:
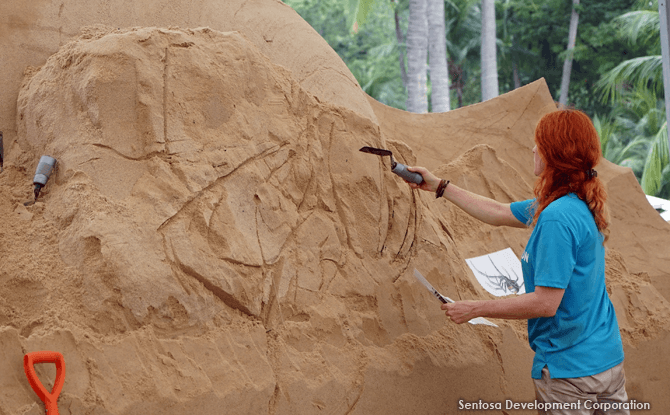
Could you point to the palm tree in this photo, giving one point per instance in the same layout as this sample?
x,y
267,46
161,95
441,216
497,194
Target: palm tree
x,y
417,54
635,137
640,26
463,41
663,11
567,64
437,57
417,45
509,46
400,38
419,38
635,82
488,51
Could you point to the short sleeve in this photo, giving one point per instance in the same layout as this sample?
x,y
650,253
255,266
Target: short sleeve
x,y
524,210
555,255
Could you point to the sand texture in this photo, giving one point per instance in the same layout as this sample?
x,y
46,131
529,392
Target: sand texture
x,y
212,241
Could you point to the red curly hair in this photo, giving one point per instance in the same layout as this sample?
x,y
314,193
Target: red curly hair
x,y
568,143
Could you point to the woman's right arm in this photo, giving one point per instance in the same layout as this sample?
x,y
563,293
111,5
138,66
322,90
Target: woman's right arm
x,y
483,208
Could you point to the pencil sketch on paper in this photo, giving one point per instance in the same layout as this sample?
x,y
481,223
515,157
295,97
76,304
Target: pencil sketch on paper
x,y
499,272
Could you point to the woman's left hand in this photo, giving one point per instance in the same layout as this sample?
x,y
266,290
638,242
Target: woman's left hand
x,y
460,311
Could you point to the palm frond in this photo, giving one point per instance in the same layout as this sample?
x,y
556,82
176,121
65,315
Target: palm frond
x,y
635,149
640,26
646,4
639,73
657,159
631,154
359,11
634,164
664,192
605,128
383,50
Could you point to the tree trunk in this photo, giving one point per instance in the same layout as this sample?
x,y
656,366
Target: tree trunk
x,y
664,14
401,53
437,57
456,74
515,67
417,54
567,65
488,51
515,75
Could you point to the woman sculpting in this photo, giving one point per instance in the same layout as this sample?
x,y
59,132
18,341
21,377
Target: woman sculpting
x,y
572,326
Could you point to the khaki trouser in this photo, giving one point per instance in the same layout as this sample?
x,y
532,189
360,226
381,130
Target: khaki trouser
x,y
589,394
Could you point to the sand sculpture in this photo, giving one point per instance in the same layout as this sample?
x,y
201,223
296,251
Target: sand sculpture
x,y
212,240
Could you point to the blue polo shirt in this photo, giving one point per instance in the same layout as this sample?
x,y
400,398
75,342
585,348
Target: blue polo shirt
x,y
566,251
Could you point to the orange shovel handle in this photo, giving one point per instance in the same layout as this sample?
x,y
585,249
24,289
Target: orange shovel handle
x,y
50,399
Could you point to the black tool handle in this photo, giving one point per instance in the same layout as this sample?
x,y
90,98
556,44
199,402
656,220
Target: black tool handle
x,y
410,176
440,297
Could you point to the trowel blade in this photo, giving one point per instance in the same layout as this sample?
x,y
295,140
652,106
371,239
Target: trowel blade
x,y
432,290
443,299
377,151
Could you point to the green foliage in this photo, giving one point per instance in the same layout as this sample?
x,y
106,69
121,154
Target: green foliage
x,y
464,28
635,135
616,146
639,73
381,79
657,159
634,85
640,28
359,11
531,34
664,192
540,29
328,17
371,53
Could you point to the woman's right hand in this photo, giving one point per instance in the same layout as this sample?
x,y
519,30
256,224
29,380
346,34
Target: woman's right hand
x,y
430,181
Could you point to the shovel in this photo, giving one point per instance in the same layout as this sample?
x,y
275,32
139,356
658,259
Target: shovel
x,y
50,399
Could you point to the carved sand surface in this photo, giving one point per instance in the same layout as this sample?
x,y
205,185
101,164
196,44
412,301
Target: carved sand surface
x,y
212,241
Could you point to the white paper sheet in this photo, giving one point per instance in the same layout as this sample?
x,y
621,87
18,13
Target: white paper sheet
x,y
499,272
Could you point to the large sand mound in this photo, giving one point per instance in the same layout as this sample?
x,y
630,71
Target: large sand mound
x,y
212,240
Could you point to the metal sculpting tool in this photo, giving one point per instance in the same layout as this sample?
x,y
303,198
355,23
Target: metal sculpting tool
x,y
42,174
425,282
445,300
397,168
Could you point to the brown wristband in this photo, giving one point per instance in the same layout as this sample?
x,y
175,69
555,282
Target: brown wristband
x,y
440,189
